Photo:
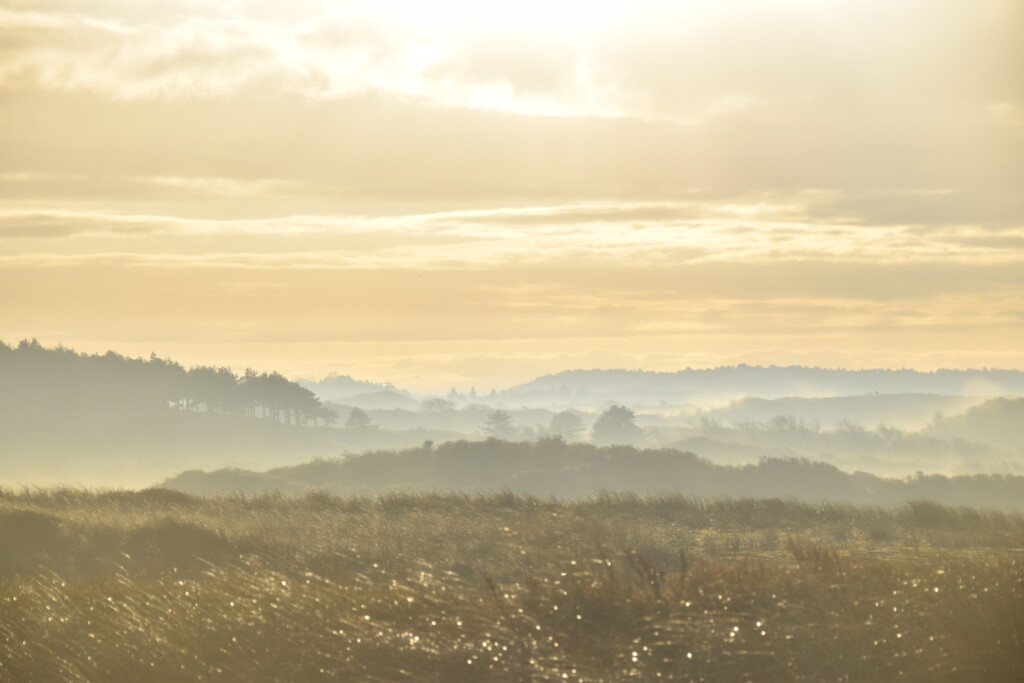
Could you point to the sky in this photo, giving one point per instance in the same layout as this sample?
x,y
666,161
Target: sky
x,y
463,193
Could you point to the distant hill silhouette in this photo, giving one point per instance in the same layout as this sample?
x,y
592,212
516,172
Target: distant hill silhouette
x,y
339,387
895,410
766,382
999,422
381,400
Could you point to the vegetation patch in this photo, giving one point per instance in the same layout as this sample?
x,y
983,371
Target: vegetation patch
x,y
157,585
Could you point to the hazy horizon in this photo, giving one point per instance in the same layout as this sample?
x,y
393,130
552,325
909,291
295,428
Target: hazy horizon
x,y
429,386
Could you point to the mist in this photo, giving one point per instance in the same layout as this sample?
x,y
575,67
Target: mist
x,y
111,420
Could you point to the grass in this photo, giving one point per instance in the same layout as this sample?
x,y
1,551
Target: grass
x,y
162,586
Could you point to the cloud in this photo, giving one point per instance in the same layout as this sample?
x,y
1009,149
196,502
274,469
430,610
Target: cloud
x,y
193,56
684,62
372,155
846,54
48,225
990,207
72,187
1008,115
528,71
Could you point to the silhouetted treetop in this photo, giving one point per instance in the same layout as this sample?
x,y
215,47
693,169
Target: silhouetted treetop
x,y
616,426
567,424
357,418
498,424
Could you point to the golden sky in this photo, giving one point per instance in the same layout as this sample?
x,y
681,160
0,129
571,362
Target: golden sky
x,y
454,193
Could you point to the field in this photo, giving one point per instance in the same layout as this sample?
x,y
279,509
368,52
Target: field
x,y
162,586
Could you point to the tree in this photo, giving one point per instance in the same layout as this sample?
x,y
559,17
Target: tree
x,y
566,424
617,426
499,425
357,418
326,413
214,390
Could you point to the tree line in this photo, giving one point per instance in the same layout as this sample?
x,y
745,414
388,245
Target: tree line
x,y
37,379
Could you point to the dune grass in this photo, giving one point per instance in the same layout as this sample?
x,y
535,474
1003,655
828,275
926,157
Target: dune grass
x,y
162,586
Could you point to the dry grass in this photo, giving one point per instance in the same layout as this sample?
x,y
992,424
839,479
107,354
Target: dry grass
x,y
161,586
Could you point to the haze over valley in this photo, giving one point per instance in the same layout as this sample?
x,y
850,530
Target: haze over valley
x,y
100,420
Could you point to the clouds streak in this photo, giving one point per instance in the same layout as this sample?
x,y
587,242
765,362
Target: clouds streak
x,y
681,233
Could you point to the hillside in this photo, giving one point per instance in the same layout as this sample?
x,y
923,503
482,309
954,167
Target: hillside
x,y
111,420
552,467
999,422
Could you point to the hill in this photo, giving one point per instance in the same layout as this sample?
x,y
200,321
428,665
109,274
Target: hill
x,y
340,387
552,467
713,385
380,400
999,422
907,411
110,420
56,381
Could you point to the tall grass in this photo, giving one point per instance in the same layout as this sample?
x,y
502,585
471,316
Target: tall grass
x,y
161,586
